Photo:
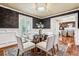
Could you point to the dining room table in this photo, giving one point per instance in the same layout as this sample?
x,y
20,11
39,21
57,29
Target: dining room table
x,y
37,39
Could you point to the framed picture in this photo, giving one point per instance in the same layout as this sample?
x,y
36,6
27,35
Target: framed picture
x,y
66,25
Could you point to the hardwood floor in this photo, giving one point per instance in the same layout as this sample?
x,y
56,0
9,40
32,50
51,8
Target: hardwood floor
x,y
77,51
70,41
43,53
2,50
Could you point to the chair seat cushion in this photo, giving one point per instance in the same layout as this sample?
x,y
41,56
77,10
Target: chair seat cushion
x,y
41,45
28,45
63,47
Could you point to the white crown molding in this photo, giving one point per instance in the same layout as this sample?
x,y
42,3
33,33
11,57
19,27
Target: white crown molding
x,y
17,11
37,16
62,12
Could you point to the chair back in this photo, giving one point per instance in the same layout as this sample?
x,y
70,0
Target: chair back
x,y
63,49
71,33
50,42
20,44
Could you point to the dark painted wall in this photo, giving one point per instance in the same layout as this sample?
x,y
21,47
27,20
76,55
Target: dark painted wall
x,y
8,18
78,19
45,22
35,20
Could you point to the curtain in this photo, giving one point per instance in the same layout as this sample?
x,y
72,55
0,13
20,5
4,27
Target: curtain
x,y
24,24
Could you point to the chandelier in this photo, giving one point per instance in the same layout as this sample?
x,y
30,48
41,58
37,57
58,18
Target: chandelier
x,y
41,7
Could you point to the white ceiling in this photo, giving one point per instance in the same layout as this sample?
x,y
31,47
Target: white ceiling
x,y
52,8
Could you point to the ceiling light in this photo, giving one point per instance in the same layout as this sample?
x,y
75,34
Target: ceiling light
x,y
40,6
41,9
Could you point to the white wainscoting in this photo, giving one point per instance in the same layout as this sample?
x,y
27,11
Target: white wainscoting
x,y
7,37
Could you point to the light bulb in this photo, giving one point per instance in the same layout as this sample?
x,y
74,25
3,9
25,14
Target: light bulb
x,y
41,9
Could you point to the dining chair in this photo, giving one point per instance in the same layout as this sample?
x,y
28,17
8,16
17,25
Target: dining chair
x,y
24,47
71,33
61,49
47,45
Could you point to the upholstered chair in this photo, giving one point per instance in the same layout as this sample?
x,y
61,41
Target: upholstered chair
x,y
47,45
61,49
24,47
